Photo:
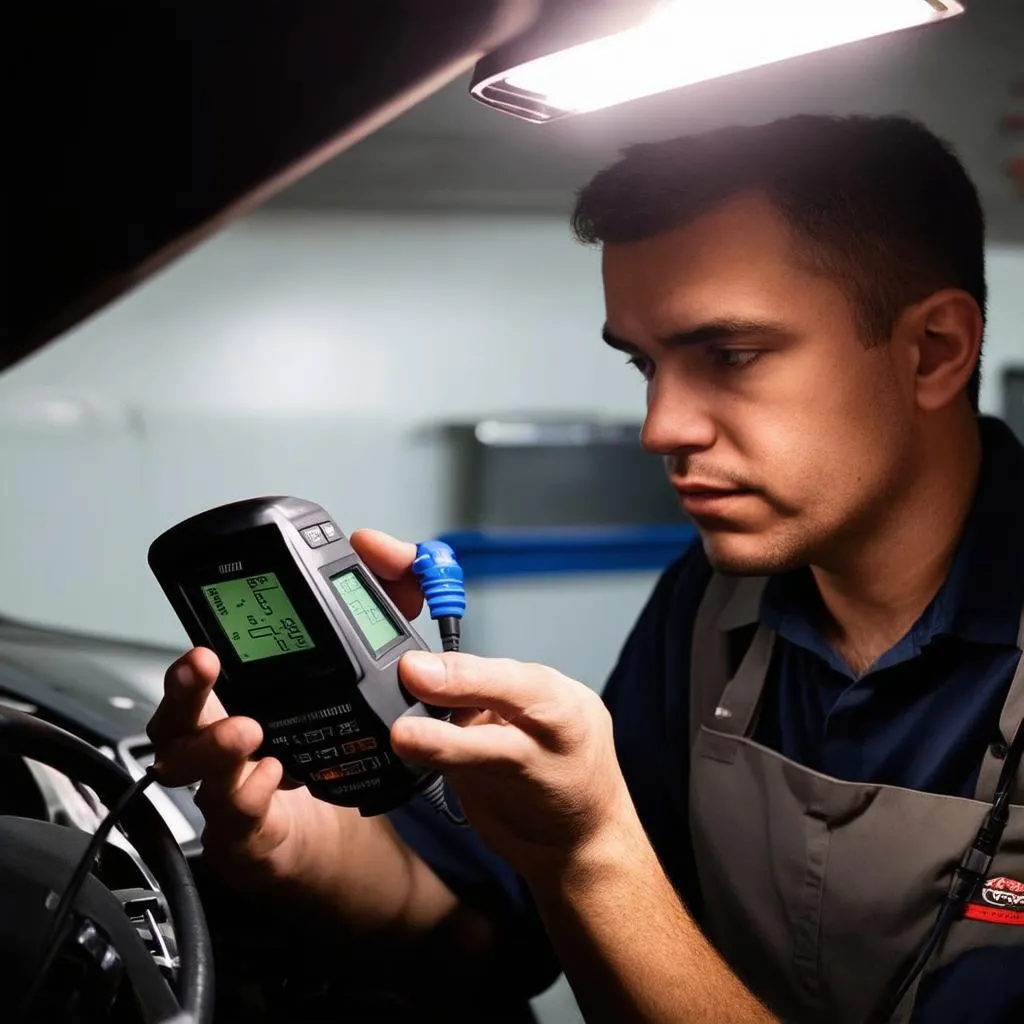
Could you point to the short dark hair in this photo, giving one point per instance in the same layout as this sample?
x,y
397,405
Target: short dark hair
x,y
888,209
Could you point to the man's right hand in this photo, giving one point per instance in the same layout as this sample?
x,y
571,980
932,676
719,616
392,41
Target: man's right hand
x,y
252,824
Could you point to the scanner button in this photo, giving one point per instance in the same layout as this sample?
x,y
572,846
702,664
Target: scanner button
x,y
358,746
328,754
314,536
330,531
317,735
350,768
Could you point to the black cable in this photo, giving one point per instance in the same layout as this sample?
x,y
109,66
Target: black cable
x,y
449,626
892,998
55,935
1007,777
973,869
437,798
450,629
434,792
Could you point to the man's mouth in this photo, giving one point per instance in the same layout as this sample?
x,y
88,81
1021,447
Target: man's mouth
x,y
708,499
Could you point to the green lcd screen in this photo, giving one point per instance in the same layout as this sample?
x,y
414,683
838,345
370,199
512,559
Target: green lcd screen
x,y
374,623
257,616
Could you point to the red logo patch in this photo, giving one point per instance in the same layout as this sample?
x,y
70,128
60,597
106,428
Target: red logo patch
x,y
1001,901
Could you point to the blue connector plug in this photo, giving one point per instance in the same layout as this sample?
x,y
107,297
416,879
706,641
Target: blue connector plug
x,y
441,579
443,586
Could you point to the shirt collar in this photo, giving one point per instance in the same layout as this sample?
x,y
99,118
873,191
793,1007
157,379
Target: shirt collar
x,y
983,594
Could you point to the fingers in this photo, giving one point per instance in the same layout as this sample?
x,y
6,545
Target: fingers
x,y
253,796
446,746
196,741
193,736
533,697
237,808
236,801
390,560
187,702
211,752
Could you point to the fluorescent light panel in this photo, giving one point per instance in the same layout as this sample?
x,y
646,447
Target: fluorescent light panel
x,y
686,41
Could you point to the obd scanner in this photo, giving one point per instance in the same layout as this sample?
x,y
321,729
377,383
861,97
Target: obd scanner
x,y
309,642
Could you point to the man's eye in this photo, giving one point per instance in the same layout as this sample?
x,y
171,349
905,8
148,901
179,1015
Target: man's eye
x,y
735,358
643,365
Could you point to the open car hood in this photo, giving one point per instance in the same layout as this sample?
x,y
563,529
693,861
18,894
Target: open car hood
x,y
139,129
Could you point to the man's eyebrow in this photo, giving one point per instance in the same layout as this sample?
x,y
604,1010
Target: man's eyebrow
x,y
712,330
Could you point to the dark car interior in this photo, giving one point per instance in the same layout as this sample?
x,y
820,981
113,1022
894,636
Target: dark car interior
x,y
137,132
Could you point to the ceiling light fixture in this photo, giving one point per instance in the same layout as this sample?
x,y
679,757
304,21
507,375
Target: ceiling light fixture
x,y
672,43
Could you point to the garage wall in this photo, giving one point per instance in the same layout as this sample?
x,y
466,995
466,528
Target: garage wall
x,y
316,357
311,357
1004,341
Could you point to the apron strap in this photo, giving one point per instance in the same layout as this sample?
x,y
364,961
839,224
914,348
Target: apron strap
x,y
734,712
1009,721
729,603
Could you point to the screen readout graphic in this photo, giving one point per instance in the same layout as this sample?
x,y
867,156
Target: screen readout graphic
x,y
257,616
377,628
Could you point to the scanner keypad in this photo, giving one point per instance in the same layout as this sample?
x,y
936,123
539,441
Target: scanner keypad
x,y
328,748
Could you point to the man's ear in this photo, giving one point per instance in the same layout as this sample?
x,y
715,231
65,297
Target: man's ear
x,y
945,331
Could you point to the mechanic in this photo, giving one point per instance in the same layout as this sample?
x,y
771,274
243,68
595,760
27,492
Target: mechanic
x,y
761,815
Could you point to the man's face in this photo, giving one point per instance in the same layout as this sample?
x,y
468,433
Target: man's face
x,y
785,436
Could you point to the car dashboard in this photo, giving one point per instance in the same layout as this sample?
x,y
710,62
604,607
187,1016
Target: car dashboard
x,y
271,963
103,691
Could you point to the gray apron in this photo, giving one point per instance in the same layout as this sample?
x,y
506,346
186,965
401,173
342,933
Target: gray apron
x,y
816,890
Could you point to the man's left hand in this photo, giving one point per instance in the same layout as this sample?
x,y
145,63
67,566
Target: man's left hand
x,y
529,753
531,757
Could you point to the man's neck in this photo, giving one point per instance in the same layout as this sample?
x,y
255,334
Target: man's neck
x,y
877,592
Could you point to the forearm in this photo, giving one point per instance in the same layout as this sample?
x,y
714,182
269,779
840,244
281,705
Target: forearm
x,y
360,871
629,948
355,875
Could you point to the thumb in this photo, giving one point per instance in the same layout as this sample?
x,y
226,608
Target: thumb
x,y
390,560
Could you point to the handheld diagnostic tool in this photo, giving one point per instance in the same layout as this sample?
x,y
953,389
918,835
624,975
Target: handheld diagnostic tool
x,y
308,643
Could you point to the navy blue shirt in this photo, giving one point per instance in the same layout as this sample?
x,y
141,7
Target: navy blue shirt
x,y
921,717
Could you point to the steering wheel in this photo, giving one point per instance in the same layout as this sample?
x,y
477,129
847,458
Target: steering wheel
x,y
37,859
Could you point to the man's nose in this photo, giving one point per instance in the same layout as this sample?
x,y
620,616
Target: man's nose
x,y
677,420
